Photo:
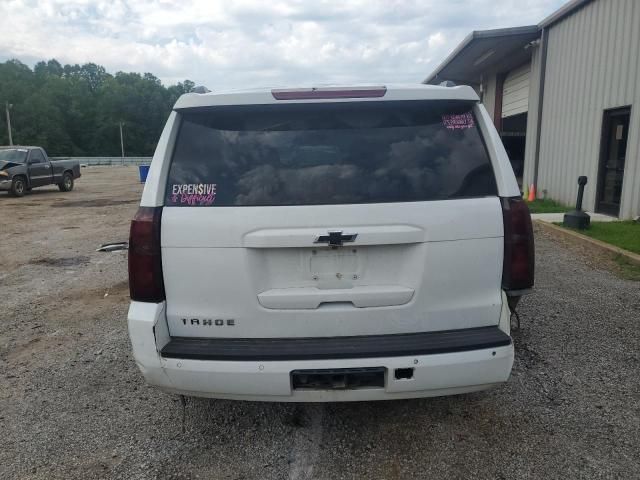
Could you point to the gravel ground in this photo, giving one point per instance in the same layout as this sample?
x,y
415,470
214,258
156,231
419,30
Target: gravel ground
x,y
73,405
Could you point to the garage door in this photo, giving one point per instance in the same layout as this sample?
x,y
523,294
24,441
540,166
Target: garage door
x,y
515,96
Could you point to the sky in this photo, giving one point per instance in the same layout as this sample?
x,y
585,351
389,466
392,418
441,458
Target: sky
x,y
250,43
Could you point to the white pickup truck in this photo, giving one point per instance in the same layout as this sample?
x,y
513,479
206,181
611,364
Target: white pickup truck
x,y
328,244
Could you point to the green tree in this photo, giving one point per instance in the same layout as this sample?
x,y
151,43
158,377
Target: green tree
x,y
77,109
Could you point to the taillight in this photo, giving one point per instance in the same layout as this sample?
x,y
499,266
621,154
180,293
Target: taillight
x,y
328,93
145,260
519,255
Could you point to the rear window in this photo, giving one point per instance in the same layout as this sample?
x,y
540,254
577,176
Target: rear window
x,y
329,153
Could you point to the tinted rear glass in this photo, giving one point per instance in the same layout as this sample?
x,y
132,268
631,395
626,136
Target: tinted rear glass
x,y
329,153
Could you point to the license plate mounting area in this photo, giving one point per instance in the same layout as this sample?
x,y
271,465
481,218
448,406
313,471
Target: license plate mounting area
x,y
338,378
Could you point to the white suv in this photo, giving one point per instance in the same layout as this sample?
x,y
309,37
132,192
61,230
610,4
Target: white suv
x,y
328,244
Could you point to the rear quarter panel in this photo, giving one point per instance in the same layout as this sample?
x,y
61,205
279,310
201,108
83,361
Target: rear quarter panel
x,y
154,187
505,178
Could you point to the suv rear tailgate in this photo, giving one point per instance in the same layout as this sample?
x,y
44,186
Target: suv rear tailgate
x,y
437,265
254,195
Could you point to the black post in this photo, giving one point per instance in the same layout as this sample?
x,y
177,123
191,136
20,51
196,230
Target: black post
x,y
582,181
578,219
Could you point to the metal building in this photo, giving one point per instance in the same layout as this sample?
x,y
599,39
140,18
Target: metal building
x,y
565,97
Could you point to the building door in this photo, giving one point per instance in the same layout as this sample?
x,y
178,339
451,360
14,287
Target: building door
x,y
515,91
615,131
514,104
514,139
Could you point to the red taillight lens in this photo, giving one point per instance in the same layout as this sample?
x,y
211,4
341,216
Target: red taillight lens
x,y
519,254
145,260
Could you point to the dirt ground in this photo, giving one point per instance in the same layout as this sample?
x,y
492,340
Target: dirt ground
x,y
73,404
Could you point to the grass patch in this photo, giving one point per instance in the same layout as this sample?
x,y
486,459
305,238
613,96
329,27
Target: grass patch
x,y
624,235
621,234
627,270
546,206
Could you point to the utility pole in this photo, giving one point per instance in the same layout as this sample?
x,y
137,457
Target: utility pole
x,y
121,143
7,106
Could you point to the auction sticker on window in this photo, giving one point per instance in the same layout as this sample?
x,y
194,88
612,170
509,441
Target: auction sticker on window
x,y
194,194
458,121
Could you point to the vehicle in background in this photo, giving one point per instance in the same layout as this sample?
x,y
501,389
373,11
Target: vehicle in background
x,y
25,168
328,244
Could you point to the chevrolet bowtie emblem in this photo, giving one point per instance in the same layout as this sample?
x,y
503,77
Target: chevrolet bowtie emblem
x,y
336,239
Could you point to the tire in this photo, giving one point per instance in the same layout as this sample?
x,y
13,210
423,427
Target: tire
x,y
18,187
66,185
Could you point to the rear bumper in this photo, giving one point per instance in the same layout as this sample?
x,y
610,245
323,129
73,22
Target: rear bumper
x,y
335,348
441,366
